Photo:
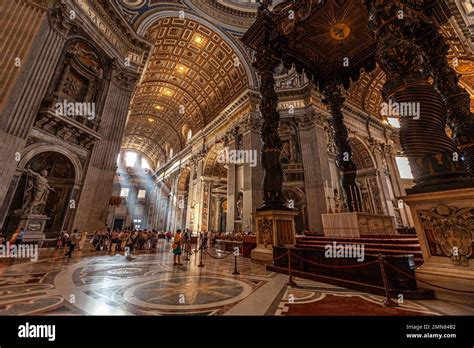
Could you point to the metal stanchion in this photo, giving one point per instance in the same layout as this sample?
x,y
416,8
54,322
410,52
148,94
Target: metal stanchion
x,y
290,276
236,253
197,243
388,301
200,258
188,250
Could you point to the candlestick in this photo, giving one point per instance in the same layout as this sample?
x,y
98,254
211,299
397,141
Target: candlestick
x,y
350,194
356,199
337,202
330,211
352,198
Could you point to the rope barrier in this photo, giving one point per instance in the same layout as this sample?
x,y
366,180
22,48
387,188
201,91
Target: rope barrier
x,y
422,281
281,256
216,257
330,266
328,277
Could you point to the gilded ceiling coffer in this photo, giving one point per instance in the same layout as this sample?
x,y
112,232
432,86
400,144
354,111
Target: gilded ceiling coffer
x,y
431,153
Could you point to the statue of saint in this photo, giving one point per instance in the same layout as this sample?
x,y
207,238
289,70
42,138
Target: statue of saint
x,y
36,192
240,207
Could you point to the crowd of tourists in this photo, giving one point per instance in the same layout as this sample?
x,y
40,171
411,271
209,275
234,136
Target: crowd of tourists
x,y
15,239
114,240
128,240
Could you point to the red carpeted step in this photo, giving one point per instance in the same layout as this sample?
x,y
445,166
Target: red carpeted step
x,y
414,247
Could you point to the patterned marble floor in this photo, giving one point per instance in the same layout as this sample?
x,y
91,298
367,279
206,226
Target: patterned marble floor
x,y
149,284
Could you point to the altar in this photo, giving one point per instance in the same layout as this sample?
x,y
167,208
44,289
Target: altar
x,y
355,224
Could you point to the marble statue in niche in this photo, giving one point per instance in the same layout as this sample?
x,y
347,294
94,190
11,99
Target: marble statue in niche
x,y
240,206
36,193
285,152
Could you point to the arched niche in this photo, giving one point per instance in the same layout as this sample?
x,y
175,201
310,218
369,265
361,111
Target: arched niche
x,y
366,180
61,176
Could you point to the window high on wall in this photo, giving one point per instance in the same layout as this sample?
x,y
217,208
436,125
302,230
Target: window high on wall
x,y
134,159
145,163
141,194
404,168
130,158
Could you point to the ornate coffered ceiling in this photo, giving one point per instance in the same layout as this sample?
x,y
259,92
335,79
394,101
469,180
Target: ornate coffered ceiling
x,y
192,74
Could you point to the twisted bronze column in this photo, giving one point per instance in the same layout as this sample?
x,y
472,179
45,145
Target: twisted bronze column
x,y
460,118
266,62
423,138
334,100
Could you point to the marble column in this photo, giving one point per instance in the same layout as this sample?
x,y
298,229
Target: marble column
x,y
158,199
231,191
98,181
316,167
72,209
132,202
189,207
383,178
253,175
198,190
206,187
216,205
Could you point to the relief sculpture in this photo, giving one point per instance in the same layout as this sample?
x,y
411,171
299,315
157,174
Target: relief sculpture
x,y
450,232
265,227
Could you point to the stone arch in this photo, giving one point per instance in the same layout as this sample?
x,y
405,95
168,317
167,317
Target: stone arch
x,y
361,154
33,150
212,166
367,181
299,203
63,173
183,179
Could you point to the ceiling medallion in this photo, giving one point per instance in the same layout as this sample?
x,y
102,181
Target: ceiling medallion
x,y
339,31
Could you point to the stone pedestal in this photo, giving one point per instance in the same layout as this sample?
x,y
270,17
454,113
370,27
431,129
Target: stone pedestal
x,y
34,225
353,225
444,223
274,228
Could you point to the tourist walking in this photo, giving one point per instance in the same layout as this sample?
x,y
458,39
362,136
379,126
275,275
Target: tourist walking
x,y
72,244
3,239
177,249
20,237
95,241
82,242
114,240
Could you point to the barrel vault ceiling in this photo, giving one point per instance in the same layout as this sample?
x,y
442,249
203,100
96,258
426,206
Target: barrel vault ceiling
x,y
192,74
